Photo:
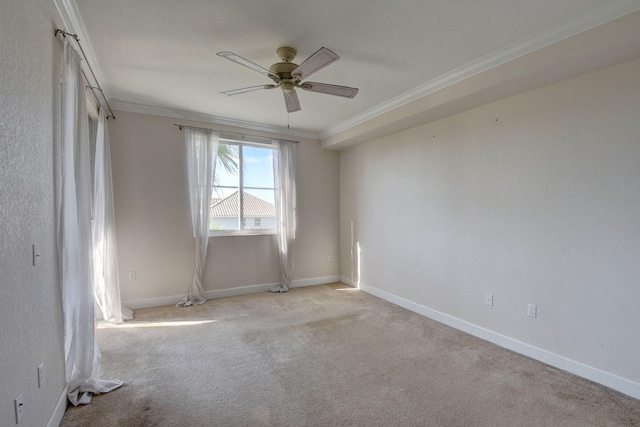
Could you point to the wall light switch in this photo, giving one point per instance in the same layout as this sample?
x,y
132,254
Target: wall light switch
x,y
532,310
19,407
34,255
488,299
41,374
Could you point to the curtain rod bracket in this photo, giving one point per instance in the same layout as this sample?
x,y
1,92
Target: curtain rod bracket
x,y
65,34
95,80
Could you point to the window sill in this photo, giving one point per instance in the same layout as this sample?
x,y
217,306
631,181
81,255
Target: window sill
x,y
248,232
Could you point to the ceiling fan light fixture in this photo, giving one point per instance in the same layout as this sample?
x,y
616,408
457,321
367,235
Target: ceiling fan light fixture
x,y
287,87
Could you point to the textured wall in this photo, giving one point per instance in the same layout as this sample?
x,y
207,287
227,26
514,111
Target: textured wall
x,y
535,199
153,220
30,311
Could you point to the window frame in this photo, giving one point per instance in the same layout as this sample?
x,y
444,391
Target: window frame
x,y
241,188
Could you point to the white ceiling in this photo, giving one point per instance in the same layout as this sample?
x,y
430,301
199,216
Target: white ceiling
x,y
161,54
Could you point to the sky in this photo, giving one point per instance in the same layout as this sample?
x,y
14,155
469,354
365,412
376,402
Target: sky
x,y
258,172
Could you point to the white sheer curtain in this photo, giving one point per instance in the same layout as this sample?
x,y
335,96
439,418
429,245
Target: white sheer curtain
x,y
105,255
75,255
202,152
284,172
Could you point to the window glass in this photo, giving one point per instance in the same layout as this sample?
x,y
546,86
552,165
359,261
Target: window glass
x,y
243,194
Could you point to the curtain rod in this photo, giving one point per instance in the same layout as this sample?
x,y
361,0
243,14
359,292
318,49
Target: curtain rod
x,y
93,88
237,136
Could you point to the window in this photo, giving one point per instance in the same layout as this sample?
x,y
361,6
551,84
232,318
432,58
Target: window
x,y
243,192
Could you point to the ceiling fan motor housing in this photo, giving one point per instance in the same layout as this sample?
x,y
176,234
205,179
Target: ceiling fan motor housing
x,y
283,70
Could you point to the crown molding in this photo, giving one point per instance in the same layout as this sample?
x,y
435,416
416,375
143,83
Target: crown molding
x,y
70,15
206,118
72,21
607,13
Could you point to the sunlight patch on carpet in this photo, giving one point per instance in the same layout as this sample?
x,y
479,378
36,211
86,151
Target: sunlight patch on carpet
x,y
134,324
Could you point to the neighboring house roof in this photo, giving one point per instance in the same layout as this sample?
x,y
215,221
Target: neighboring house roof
x,y
253,206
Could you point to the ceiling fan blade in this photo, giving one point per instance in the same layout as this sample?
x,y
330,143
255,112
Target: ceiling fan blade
x,y
245,62
345,91
315,62
292,102
247,89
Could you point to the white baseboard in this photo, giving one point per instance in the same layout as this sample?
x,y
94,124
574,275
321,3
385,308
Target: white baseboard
x,y
61,406
610,380
136,304
315,281
347,281
224,293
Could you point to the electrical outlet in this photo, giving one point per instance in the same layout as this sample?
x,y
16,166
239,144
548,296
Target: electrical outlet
x,y
488,299
329,258
41,374
19,405
532,310
133,275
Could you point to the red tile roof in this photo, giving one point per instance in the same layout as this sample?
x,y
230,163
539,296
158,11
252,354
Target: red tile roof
x,y
253,206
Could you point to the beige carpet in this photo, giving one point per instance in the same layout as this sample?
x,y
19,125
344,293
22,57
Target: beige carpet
x,y
328,356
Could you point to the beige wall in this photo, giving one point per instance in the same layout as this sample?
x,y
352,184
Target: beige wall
x,y
153,222
31,318
534,198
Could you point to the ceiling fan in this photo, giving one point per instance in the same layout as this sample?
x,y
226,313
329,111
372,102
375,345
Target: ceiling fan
x,y
288,76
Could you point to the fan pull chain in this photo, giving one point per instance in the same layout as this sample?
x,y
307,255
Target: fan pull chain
x,y
288,115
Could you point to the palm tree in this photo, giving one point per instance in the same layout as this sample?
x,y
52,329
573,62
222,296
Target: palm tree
x,y
228,159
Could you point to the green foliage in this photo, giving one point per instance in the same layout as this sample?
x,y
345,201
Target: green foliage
x,y
227,158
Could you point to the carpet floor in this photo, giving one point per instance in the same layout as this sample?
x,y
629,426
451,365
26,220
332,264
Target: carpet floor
x,y
327,355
